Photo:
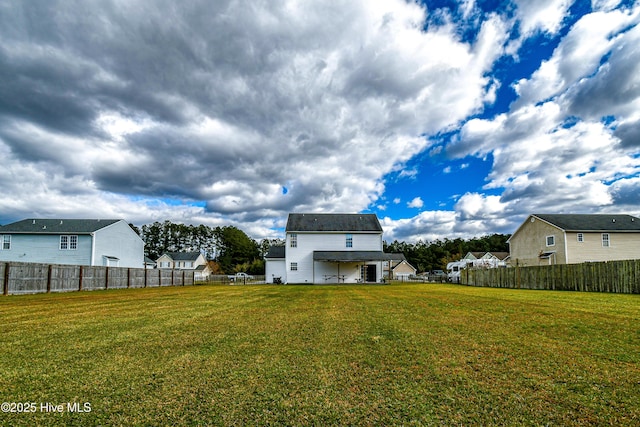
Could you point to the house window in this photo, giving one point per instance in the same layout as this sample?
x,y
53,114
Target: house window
x,y
551,240
349,241
68,243
294,266
294,240
580,237
605,240
6,242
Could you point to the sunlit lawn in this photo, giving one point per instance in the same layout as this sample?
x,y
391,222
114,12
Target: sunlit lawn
x,y
322,355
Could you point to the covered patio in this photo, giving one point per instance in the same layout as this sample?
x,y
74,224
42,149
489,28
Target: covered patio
x,y
348,266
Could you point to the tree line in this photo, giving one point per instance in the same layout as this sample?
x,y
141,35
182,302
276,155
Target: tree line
x,y
429,256
233,250
229,246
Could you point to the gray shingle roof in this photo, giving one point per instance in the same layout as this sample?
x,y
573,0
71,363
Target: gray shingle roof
x,y
592,222
183,256
333,223
53,226
351,256
275,252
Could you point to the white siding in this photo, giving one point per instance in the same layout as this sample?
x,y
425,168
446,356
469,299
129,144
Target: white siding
x,y
275,268
120,241
307,243
164,261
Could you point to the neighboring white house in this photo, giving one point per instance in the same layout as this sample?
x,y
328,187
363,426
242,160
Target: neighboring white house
x,y
329,248
476,260
575,238
102,242
184,261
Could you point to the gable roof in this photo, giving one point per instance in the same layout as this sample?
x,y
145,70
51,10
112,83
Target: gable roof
x,y
588,222
404,262
500,255
183,256
57,226
333,223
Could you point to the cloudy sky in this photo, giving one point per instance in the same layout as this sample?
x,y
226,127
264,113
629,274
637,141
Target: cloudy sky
x,y
446,118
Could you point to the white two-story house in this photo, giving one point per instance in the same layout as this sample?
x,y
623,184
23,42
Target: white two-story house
x,y
329,248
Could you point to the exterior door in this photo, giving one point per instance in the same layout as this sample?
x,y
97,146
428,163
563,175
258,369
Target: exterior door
x,y
371,273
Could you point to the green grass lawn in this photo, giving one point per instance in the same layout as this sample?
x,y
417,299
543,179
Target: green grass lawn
x,y
322,355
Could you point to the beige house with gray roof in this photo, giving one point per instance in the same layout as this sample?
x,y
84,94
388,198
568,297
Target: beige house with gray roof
x,y
545,239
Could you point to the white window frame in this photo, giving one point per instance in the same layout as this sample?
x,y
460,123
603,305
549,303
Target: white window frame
x,y
580,237
6,242
293,240
293,266
606,240
110,261
348,241
68,242
553,240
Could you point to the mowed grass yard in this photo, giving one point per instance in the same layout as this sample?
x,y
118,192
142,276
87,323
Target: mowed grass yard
x,y
322,355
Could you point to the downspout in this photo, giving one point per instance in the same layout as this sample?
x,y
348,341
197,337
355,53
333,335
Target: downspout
x,y
93,247
566,252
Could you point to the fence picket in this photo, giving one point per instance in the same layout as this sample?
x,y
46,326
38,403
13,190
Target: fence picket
x,y
609,276
26,278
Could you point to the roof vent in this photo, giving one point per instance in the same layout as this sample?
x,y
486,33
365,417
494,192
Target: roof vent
x,y
44,227
34,221
60,222
613,220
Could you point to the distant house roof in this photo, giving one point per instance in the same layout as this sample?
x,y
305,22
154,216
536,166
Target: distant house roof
x,y
476,255
588,222
275,252
309,222
183,256
395,256
57,226
404,262
500,255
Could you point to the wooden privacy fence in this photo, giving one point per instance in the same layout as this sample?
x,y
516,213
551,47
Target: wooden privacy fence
x,y
30,278
609,276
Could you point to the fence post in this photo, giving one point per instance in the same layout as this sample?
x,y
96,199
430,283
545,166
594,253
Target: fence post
x,y
128,278
106,278
49,270
5,291
145,277
80,278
